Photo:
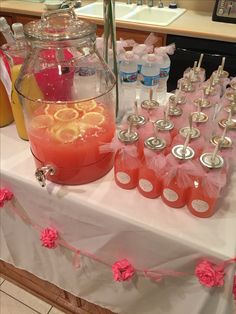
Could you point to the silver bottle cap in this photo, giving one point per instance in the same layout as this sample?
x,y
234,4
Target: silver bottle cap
x,y
164,125
231,95
181,100
175,111
179,152
225,143
155,143
202,102
231,108
136,120
194,132
188,87
149,104
128,137
207,161
199,117
233,85
230,124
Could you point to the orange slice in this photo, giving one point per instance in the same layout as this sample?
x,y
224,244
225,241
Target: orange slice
x,y
86,105
99,108
93,119
66,114
42,121
67,133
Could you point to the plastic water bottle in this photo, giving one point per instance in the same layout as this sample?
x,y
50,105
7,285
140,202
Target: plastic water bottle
x,y
164,62
128,79
140,50
149,75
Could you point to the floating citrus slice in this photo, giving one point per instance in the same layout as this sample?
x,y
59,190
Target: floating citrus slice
x,y
66,114
42,121
86,105
99,108
93,119
67,133
53,108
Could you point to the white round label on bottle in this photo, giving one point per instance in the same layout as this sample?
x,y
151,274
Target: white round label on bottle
x,y
170,195
123,177
145,185
200,206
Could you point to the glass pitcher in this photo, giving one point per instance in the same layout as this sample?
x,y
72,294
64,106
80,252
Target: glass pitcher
x,y
67,92
15,54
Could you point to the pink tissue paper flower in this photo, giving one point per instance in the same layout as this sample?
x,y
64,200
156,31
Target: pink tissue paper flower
x,y
122,270
234,287
5,195
209,275
48,237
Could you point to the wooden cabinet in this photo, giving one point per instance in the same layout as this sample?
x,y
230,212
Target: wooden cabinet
x,y
48,292
124,33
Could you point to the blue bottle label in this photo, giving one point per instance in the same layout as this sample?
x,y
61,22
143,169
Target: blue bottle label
x,y
164,72
128,77
149,80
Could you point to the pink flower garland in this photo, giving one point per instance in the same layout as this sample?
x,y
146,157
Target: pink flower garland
x,y
209,274
122,270
234,287
49,237
5,195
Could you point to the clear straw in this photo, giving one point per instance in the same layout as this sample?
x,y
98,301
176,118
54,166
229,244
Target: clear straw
x,y
200,62
186,142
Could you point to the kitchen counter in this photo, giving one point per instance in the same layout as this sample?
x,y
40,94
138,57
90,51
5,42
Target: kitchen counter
x,y
192,23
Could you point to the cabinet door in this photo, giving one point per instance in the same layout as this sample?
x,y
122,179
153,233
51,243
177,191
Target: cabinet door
x,y
138,36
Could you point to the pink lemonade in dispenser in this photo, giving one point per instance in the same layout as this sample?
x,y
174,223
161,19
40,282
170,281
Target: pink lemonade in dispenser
x,y
71,114
68,135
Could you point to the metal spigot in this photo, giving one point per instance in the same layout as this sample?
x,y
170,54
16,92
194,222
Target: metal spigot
x,y
139,2
42,172
160,4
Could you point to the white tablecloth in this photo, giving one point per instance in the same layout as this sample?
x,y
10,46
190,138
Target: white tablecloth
x,y
112,224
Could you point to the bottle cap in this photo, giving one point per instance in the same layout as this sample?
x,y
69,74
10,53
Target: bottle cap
x,y
181,100
129,54
202,102
199,117
3,24
128,136
18,30
225,143
208,161
164,125
137,119
151,57
230,124
194,132
155,143
182,152
175,111
149,104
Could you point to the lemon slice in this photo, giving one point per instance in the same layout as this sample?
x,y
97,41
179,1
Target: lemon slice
x,y
53,108
86,105
66,114
67,133
99,108
42,121
93,119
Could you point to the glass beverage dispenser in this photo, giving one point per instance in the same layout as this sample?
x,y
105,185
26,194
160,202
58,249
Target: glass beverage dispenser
x,y
70,111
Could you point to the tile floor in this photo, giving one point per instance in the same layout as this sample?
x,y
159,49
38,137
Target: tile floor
x,y
14,300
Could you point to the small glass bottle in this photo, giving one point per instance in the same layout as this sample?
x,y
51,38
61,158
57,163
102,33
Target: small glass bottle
x,y
151,170
204,194
178,176
127,162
